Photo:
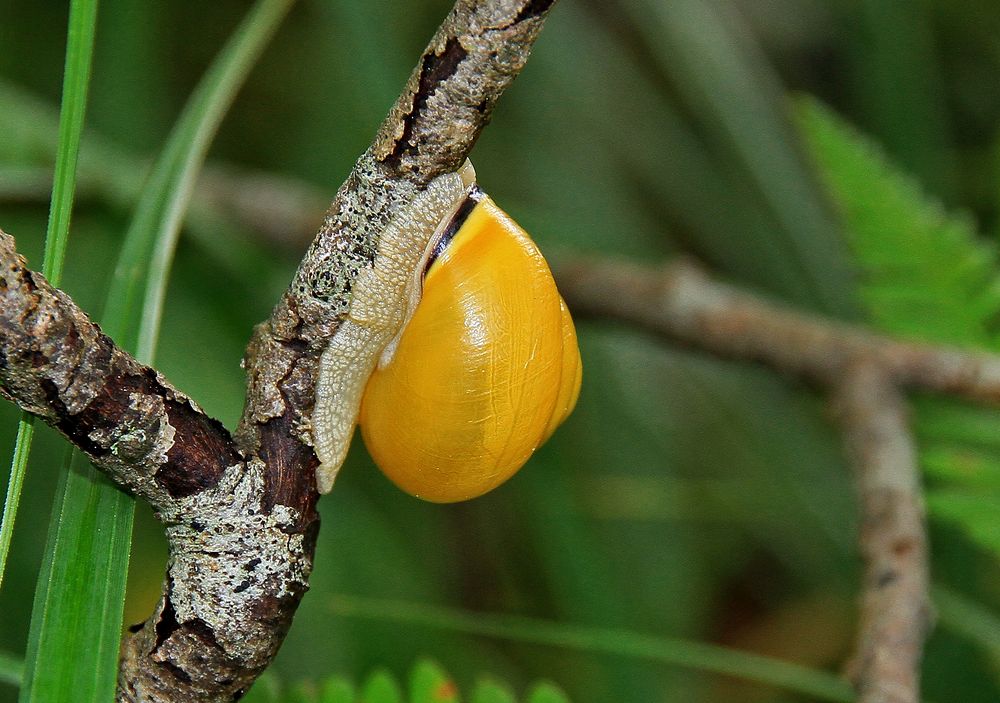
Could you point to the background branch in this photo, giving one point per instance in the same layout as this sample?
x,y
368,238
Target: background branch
x,y
865,371
895,604
682,302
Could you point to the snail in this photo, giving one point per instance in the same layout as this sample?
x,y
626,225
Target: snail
x,y
458,357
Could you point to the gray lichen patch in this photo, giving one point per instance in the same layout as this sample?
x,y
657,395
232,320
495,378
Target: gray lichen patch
x,y
264,398
225,562
138,444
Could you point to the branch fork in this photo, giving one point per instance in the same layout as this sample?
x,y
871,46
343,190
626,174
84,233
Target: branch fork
x,y
240,511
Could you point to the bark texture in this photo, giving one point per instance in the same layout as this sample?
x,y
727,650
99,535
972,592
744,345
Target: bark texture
x,y
240,511
56,363
895,607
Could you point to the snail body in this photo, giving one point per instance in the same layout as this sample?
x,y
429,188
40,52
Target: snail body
x,y
472,360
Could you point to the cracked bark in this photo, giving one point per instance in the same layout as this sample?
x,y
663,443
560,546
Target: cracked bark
x,y
240,511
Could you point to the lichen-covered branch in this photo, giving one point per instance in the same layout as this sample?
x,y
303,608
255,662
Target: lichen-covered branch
x,y
234,569
56,363
895,606
682,302
476,53
240,511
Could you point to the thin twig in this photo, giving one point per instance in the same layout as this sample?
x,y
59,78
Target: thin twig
x,y
895,603
682,302
281,210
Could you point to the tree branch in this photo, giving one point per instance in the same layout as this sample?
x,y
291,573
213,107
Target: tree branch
x,y
895,602
240,511
683,303
56,363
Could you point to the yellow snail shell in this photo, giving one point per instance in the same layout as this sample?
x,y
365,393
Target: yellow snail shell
x,y
483,370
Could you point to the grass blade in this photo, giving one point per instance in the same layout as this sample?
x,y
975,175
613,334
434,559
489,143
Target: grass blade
x,y
76,80
896,76
77,617
11,669
176,171
18,467
625,643
968,618
722,73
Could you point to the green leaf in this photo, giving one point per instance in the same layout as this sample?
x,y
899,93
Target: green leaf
x,y
337,689
430,684
76,80
926,275
612,641
492,691
266,689
975,512
11,669
970,619
77,617
547,693
947,420
971,468
18,468
77,612
381,687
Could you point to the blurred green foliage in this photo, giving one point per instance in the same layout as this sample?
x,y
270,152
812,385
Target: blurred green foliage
x,y
428,683
687,496
924,275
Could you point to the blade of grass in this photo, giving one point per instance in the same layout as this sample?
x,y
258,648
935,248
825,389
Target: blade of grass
x,y
968,618
18,468
11,669
76,80
76,621
185,153
76,615
722,73
626,643
895,76
114,175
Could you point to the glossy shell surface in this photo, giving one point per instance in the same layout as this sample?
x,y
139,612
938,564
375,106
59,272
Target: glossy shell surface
x,y
484,371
